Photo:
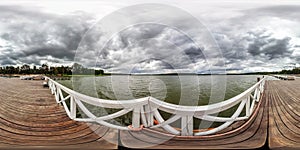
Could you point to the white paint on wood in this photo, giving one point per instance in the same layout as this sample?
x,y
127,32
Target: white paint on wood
x,y
145,110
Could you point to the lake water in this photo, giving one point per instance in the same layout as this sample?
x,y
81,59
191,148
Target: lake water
x,y
189,90
184,89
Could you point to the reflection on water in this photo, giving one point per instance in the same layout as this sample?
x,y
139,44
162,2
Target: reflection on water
x,y
183,89
173,89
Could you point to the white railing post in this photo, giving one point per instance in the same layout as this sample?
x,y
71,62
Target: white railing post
x,y
187,125
258,95
149,115
72,108
263,85
57,94
136,113
51,87
144,110
248,106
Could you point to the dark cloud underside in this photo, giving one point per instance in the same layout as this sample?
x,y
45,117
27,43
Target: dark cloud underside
x,y
32,34
258,38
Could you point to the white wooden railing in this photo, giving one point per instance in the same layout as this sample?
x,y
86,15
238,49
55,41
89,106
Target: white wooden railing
x,y
285,77
145,110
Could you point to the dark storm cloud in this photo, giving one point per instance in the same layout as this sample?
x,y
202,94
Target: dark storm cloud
x,y
135,34
34,33
7,61
254,48
246,40
194,53
262,36
144,42
273,48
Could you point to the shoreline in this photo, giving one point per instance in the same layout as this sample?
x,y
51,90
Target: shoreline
x,y
119,74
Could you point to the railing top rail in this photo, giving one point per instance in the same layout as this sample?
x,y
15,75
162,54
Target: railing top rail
x,y
101,102
172,108
147,108
211,108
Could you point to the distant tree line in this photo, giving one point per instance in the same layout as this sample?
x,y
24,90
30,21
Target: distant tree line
x,y
78,69
292,71
45,69
81,70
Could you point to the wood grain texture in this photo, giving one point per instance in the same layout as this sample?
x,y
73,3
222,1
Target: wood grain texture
x,y
277,119
241,135
31,119
284,114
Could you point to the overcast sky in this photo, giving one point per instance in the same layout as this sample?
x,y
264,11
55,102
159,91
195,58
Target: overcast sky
x,y
251,36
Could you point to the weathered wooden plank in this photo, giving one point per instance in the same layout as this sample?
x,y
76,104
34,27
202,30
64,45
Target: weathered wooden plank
x,y
284,116
279,116
248,135
31,119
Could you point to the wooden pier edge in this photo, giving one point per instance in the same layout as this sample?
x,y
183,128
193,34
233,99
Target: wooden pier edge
x,y
249,135
31,119
284,114
277,126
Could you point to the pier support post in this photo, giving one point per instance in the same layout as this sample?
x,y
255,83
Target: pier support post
x,y
187,125
149,115
248,106
72,108
136,117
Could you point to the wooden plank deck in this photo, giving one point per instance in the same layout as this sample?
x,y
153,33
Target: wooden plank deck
x,y
251,134
284,114
30,118
277,120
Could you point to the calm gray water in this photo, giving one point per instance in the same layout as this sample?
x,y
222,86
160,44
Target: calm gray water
x,y
184,90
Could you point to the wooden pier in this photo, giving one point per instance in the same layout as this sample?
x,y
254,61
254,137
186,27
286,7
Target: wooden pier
x,y
276,125
251,134
31,118
284,114
285,77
